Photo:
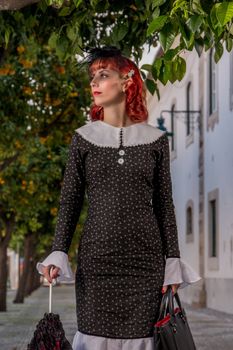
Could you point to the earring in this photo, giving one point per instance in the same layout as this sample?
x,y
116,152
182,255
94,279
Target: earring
x,y
131,73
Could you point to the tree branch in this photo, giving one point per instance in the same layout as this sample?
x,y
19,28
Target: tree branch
x,y
8,161
15,4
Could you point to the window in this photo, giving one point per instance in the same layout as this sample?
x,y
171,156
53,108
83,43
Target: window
x,y
189,222
173,127
212,84
189,227
188,107
213,229
213,242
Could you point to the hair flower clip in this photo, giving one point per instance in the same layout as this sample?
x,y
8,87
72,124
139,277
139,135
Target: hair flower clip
x,y
131,73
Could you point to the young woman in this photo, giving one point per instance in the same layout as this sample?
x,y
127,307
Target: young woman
x,y
129,246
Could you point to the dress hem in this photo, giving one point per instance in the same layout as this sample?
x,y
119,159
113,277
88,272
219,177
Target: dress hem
x,y
105,336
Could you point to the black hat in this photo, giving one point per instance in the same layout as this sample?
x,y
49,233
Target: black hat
x,y
100,52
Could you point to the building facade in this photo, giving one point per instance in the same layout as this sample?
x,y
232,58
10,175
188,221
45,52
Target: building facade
x,y
202,170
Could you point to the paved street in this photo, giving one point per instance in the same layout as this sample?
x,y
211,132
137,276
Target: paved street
x,y
18,324
211,330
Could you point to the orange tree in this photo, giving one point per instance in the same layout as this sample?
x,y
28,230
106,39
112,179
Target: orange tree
x,y
42,102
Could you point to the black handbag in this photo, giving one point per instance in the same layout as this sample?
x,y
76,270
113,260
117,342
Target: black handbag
x,y
171,331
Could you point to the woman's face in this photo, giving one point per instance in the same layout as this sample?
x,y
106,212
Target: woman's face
x,y
107,87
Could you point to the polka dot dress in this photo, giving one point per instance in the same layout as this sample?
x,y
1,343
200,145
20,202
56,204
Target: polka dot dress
x,y
130,227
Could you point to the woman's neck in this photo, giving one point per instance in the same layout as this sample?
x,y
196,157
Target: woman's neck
x,y
116,116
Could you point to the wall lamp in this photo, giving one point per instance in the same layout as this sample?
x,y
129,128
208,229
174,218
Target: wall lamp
x,y
181,115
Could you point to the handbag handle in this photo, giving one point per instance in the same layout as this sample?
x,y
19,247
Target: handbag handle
x,y
164,304
167,303
171,298
161,307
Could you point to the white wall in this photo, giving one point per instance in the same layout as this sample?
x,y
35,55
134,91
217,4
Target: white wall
x,y
184,160
219,174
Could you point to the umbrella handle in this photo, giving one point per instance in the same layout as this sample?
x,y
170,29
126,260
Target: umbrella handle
x,y
50,297
50,291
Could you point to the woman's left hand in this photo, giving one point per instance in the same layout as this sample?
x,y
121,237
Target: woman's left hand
x,y
174,288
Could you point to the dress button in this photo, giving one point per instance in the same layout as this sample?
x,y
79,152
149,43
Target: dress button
x,y
121,152
120,160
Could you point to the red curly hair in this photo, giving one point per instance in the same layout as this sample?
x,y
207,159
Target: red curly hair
x,y
135,93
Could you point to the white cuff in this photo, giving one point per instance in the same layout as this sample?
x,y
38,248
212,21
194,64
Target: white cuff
x,y
59,259
178,271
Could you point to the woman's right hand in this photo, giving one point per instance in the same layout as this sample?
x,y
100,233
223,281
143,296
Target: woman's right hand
x,y
50,275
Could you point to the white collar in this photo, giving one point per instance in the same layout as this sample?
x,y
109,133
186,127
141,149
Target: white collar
x,y
103,134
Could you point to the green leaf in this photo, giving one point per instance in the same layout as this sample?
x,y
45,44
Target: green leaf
x,y
213,18
231,29
62,47
167,36
208,39
77,3
172,77
156,24
65,11
229,44
146,67
7,36
199,45
156,12
195,22
119,32
143,74
18,16
123,30
214,23
157,91
72,32
151,86
134,26
167,74
53,40
156,3
170,54
154,73
181,68
174,67
161,75
42,5
197,7
155,69
218,51
186,33
224,12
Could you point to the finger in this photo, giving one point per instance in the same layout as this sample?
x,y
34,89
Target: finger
x,y
46,273
55,272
